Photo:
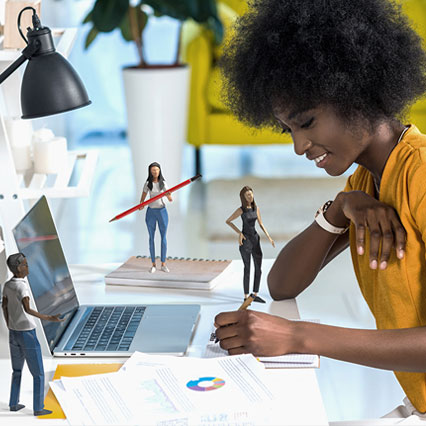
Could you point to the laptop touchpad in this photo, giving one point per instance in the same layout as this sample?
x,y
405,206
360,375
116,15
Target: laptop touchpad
x,y
164,332
163,335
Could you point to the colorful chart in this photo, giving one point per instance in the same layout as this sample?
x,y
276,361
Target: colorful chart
x,y
216,384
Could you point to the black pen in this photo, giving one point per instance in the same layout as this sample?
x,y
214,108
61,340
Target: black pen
x,y
247,302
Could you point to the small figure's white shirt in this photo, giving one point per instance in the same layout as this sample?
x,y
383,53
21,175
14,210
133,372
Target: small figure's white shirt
x,y
15,290
158,204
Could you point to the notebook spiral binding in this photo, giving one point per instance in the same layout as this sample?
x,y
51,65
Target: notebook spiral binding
x,y
183,258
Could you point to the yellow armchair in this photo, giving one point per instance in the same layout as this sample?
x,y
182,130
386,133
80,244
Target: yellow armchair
x,y
416,11
209,121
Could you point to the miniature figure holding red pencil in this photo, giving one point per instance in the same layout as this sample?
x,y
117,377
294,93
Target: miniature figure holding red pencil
x,y
156,213
23,342
249,240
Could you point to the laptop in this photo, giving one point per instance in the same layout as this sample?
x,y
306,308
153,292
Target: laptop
x,y
93,330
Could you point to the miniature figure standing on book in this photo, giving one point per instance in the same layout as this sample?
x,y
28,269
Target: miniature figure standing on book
x,y
23,342
249,240
156,213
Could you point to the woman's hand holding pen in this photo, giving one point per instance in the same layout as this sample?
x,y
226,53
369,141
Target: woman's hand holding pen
x,y
256,332
382,221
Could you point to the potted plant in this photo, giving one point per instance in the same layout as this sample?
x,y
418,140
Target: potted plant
x,y
156,95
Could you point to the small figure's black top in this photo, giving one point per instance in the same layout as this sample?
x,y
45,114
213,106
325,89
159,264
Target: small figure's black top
x,y
249,217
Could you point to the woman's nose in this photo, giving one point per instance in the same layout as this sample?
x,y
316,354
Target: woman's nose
x,y
300,144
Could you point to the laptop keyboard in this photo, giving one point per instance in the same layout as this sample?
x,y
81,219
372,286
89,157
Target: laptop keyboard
x,y
109,328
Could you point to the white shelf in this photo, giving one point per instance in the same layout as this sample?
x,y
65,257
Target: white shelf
x,y
14,188
39,184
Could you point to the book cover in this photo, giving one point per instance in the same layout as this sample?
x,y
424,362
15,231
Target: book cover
x,y
201,274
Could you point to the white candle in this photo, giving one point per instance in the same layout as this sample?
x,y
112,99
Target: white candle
x,y
19,133
50,156
21,157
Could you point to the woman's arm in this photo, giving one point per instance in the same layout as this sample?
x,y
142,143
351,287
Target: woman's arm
x,y
143,196
237,213
304,256
268,335
259,219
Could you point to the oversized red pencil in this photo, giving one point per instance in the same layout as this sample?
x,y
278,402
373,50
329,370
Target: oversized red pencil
x,y
161,194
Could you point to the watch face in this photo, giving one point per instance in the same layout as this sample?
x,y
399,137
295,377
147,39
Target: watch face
x,y
326,206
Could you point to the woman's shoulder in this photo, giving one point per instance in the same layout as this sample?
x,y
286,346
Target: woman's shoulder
x,y
358,180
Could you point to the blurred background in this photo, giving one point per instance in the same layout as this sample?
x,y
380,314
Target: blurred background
x,y
197,134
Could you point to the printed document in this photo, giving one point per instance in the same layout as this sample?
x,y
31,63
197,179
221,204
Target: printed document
x,y
161,389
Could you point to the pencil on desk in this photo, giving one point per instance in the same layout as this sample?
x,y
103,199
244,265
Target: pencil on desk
x,y
245,305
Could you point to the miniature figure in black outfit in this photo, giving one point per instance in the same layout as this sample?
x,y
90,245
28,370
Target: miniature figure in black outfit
x,y
249,239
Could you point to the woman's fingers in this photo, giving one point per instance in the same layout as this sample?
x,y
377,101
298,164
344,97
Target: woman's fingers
x,y
226,318
386,233
231,343
360,237
400,238
375,237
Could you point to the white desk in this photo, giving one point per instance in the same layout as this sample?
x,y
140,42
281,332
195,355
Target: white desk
x,y
302,403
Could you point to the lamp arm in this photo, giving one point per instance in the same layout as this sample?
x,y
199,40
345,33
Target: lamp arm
x,y
29,51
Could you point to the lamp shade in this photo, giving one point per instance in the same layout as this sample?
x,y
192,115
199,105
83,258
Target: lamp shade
x,y
50,85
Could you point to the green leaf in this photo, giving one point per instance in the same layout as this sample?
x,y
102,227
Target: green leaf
x,y
108,14
141,21
90,37
178,9
205,10
125,29
215,25
88,18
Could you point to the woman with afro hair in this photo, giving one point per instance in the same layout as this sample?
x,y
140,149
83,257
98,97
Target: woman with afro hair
x,y
339,76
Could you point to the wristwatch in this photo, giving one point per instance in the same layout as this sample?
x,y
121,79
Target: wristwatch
x,y
324,223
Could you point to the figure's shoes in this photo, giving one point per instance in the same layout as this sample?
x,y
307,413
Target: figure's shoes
x,y
164,268
17,407
42,412
152,270
259,299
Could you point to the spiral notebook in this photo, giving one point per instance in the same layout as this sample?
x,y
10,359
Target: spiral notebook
x,y
199,274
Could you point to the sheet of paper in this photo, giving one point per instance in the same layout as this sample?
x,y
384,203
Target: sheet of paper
x,y
101,399
139,359
175,388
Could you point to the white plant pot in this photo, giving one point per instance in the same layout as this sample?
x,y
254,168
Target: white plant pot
x,y
156,101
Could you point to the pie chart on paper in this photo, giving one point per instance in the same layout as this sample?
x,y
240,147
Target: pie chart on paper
x,y
204,384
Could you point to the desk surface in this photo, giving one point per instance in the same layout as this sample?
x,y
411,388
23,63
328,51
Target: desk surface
x,y
302,403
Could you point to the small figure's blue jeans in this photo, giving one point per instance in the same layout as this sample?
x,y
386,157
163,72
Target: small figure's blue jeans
x,y
154,216
24,346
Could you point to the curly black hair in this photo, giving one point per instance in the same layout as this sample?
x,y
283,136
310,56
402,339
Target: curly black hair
x,y
359,56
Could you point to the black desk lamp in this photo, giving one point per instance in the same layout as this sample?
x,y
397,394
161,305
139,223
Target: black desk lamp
x,y
50,84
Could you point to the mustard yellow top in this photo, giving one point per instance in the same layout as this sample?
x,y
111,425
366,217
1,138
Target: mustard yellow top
x,y
397,295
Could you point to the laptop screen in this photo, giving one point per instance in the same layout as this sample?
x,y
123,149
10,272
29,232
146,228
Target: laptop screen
x,y
49,277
